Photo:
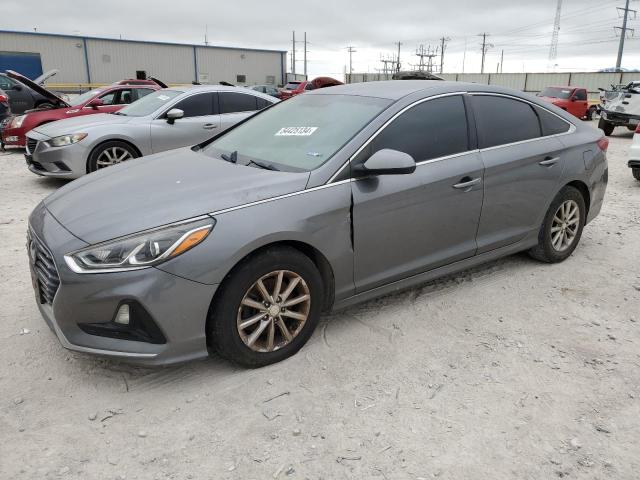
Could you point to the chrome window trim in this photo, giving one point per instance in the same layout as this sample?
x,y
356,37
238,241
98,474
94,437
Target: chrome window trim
x,y
572,127
386,124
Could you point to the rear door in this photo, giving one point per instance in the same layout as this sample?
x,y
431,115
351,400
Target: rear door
x,y
407,224
523,166
236,106
200,122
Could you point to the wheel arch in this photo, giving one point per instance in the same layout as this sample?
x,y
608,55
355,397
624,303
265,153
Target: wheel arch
x,y
584,190
107,140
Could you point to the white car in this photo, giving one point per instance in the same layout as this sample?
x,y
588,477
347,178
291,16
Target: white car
x,y
634,155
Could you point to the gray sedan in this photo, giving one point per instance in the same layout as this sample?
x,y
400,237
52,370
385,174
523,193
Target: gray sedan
x,y
166,119
328,199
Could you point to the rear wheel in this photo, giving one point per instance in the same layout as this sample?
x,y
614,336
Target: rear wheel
x,y
592,112
636,173
110,153
606,127
562,227
267,308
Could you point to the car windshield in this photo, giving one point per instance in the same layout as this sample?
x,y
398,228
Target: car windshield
x,y
149,103
292,85
300,134
556,92
85,97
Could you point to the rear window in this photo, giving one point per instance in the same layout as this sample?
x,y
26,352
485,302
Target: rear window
x,y
504,120
556,92
292,85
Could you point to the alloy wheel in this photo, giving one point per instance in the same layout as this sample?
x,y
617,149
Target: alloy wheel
x,y
273,311
112,156
565,225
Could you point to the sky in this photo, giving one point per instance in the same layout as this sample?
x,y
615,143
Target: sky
x,y
522,29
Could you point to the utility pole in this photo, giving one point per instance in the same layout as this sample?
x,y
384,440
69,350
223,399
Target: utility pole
x,y
351,50
553,49
485,46
398,64
293,55
443,47
623,32
464,55
206,35
501,60
305,55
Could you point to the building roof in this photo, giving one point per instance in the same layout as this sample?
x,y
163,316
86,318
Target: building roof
x,y
148,42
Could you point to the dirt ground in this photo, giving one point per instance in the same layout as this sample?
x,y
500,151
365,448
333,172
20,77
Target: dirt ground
x,y
514,370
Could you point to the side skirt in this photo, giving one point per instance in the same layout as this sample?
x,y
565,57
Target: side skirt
x,y
406,283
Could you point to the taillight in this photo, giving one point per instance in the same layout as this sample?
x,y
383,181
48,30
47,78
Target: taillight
x,y
4,99
603,144
638,128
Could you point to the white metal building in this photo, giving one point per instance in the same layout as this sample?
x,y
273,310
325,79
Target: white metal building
x,y
91,60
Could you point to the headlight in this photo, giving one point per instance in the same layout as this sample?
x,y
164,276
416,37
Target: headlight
x,y
64,140
141,250
16,122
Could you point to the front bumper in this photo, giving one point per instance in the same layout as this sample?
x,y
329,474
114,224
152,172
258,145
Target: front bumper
x,y
61,162
179,307
620,118
12,136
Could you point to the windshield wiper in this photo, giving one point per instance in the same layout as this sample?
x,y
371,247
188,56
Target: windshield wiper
x,y
266,166
232,157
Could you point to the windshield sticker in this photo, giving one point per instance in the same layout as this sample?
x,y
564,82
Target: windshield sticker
x,y
295,132
163,97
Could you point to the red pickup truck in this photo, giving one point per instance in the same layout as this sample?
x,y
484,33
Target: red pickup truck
x,y
574,100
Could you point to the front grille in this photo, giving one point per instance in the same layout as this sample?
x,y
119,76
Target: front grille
x,y
44,268
31,145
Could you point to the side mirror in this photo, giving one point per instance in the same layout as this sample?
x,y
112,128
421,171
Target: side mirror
x,y
173,115
95,103
387,162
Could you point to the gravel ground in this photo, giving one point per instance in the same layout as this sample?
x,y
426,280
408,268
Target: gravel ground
x,y
512,370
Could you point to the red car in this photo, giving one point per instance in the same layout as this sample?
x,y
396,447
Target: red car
x,y
572,99
296,88
100,100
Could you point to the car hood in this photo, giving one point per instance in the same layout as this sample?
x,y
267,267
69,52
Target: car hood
x,y
78,124
160,189
48,94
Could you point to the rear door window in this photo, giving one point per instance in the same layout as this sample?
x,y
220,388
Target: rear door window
x,y
502,120
198,105
236,102
432,129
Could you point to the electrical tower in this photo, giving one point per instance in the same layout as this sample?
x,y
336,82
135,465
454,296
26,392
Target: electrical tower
x,y
553,49
623,32
429,54
485,46
443,48
389,64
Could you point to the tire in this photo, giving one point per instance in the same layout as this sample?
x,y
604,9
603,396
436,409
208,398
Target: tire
x,y
551,251
636,173
631,128
115,150
229,310
606,127
591,113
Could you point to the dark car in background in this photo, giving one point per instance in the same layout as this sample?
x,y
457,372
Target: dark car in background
x,y
21,94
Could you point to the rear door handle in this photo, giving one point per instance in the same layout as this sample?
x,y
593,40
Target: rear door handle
x,y
466,183
209,126
549,161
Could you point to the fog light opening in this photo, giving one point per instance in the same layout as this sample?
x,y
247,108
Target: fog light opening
x,y
123,315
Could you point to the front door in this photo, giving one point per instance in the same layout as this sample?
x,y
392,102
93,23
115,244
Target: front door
x,y
407,224
200,122
579,103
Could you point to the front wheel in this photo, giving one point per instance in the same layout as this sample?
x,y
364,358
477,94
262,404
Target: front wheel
x,y
562,227
606,127
267,308
636,173
110,153
591,113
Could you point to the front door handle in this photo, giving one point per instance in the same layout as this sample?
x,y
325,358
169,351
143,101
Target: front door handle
x,y
466,183
549,161
209,126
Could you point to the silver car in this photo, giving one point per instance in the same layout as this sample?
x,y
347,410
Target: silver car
x,y
166,119
328,199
